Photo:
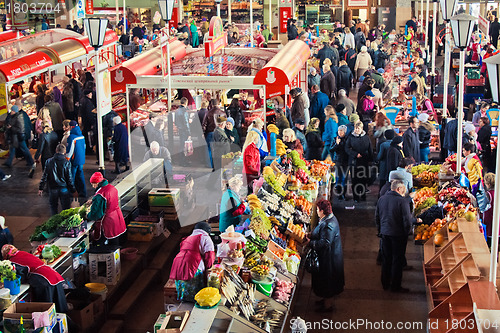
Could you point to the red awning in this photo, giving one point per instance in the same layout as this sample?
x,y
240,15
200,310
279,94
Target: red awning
x,y
12,70
7,35
147,63
283,68
110,38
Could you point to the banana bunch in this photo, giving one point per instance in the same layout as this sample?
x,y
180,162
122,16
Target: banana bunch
x,y
254,202
281,179
273,129
280,148
267,170
274,220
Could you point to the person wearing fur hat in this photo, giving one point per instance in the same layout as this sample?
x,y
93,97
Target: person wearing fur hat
x,y
424,135
120,145
105,211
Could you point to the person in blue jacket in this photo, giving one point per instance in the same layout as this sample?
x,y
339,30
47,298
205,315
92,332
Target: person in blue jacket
x,y
231,207
331,128
120,145
319,101
76,155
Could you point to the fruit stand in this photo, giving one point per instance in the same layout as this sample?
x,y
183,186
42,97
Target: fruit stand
x,y
258,271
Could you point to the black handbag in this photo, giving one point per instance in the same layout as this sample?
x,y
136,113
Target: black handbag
x,y
312,261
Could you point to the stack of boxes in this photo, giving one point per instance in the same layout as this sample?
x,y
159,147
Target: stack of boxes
x,y
474,85
166,200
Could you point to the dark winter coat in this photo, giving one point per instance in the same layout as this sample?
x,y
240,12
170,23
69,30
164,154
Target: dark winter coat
x,y
379,81
380,58
313,80
56,115
57,174
424,135
120,144
292,33
344,78
314,145
318,103
339,153
298,107
301,137
359,144
411,144
47,143
350,57
328,84
326,241
394,156
326,52
282,124
237,114
382,159
393,216
483,138
450,136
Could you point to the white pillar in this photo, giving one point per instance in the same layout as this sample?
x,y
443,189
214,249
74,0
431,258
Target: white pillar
x,y
218,9
495,227
446,70
125,19
422,13
100,138
229,3
117,13
460,110
127,96
434,11
270,16
251,23
427,32
169,74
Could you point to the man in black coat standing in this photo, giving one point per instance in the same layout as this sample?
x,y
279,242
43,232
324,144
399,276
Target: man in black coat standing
x,y
412,23
325,52
494,32
411,142
393,219
292,32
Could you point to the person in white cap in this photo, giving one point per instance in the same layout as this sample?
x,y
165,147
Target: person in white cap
x,y
470,133
424,134
120,145
5,235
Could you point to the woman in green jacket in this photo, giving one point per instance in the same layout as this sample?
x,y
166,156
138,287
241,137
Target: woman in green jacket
x,y
231,207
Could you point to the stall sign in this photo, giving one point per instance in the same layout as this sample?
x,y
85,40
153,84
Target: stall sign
x,y
483,24
80,9
17,17
285,14
357,3
217,38
120,77
25,65
175,17
89,7
104,85
3,99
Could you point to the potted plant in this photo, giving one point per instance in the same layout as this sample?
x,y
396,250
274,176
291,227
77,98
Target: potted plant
x,y
9,278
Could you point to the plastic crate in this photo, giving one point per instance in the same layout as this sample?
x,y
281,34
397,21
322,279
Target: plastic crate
x,y
473,73
474,89
475,83
439,90
471,98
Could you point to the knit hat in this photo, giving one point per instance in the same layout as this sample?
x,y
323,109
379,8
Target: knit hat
x,y
96,178
312,70
339,108
230,120
14,108
397,140
342,128
221,119
73,123
469,128
389,134
353,118
423,117
369,93
364,48
381,71
117,120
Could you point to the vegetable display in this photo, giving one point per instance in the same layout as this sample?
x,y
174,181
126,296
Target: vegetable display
x,y
68,218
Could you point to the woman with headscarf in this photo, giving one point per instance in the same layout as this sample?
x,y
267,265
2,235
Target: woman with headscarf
x,y
314,142
196,256
231,206
120,145
45,283
326,241
105,211
232,134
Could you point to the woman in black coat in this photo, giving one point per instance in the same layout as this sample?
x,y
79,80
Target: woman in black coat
x,y
325,240
234,111
394,154
120,145
483,138
337,150
314,142
359,149
47,142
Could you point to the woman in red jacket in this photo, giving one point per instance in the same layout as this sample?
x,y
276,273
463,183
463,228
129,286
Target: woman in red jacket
x,y
45,283
196,256
251,159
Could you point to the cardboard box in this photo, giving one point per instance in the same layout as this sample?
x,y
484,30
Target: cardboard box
x,y
174,322
164,197
12,316
105,267
159,322
140,231
85,313
170,296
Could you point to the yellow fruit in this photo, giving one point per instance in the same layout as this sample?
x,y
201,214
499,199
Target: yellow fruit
x,y
469,216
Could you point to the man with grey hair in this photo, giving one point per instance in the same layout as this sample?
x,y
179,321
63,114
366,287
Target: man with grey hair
x,y
350,107
393,219
157,151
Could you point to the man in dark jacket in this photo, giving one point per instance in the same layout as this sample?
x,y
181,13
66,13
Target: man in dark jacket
x,y
16,136
137,32
494,32
57,177
89,118
393,219
325,52
292,32
76,156
411,142
298,105
182,124
359,39
382,157
344,77
327,83
298,128
380,57
412,23
47,143
394,154
318,103
378,78
350,57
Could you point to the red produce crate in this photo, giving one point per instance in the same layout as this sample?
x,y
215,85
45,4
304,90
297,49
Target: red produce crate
x,y
475,83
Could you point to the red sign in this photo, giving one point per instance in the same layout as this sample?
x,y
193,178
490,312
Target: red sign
x,y
217,38
30,63
175,18
89,7
285,14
